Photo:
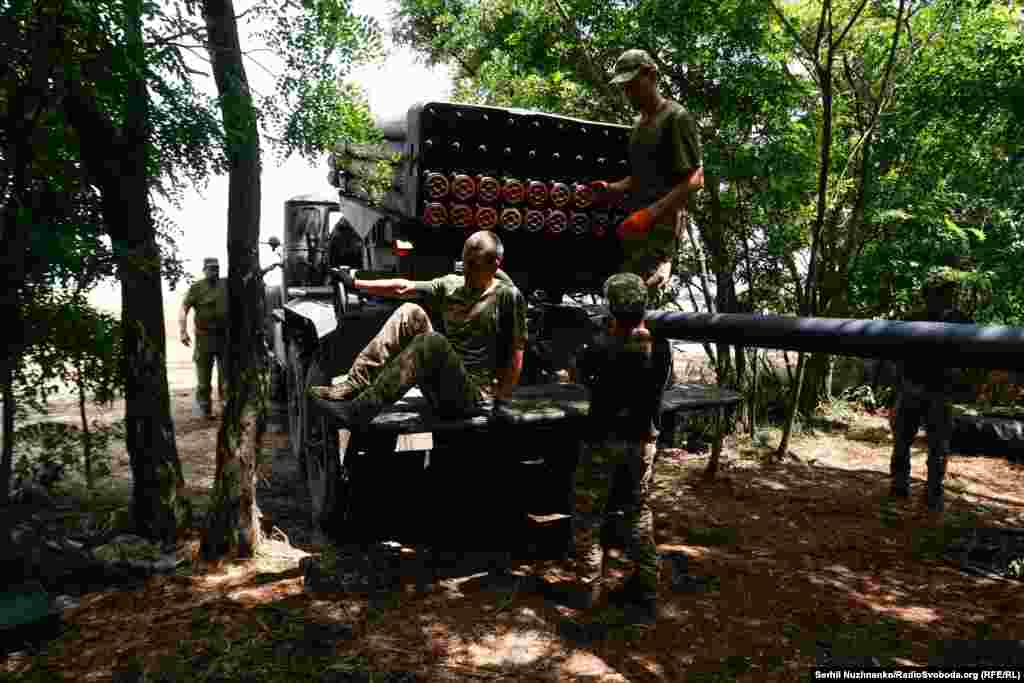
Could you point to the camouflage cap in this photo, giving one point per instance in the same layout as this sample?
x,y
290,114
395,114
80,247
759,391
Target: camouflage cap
x,y
629,64
626,293
211,262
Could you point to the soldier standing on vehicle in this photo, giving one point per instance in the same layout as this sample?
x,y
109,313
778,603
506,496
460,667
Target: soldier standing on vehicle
x,y
209,298
665,169
477,358
925,398
627,371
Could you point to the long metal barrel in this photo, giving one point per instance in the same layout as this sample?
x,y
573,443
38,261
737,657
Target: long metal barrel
x,y
944,344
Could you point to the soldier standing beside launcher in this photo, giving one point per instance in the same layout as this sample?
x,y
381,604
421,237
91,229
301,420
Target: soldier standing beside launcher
x,y
926,391
209,298
479,356
627,371
665,169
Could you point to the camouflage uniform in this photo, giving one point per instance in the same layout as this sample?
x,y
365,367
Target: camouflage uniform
x,y
455,371
627,378
924,399
210,302
661,153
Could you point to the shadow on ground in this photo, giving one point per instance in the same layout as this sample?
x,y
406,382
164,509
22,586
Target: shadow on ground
x,y
788,565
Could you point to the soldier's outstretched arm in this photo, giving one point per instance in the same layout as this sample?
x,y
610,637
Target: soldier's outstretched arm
x,y
394,287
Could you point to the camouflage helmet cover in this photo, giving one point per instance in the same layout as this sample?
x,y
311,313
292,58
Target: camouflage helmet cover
x,y
626,294
630,63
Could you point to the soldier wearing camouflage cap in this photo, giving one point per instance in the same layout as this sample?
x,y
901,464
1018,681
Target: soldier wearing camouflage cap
x,y
627,370
925,396
209,298
665,170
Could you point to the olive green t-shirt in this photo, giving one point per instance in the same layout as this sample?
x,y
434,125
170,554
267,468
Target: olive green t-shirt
x,y
661,153
211,305
482,327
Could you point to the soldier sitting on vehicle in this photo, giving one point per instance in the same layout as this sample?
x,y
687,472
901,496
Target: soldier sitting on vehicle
x,y
478,358
627,371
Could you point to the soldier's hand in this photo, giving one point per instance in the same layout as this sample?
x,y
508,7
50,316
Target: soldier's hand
x,y
637,223
605,193
347,277
185,339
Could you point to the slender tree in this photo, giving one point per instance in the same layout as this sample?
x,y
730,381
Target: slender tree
x,y
233,522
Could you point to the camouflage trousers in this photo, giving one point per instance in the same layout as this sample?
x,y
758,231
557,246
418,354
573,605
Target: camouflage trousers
x,y
650,256
408,352
595,479
207,349
915,407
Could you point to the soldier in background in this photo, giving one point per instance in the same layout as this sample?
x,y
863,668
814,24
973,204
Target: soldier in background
x,y
926,392
665,169
209,298
627,371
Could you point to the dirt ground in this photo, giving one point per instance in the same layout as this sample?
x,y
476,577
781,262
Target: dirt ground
x,y
787,559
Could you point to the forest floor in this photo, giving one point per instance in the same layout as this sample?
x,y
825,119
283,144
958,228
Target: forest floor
x,y
788,560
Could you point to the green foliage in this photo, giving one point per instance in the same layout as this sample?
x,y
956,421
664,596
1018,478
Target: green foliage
x,y
61,443
312,107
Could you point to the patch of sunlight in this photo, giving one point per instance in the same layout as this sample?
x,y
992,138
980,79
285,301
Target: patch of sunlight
x,y
916,615
227,573
694,551
585,664
771,483
899,661
269,592
652,666
840,569
518,648
518,618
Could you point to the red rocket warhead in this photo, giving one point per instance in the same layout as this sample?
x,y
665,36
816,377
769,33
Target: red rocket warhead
x,y
561,195
536,194
437,186
534,220
514,191
461,215
488,189
582,196
435,214
557,221
463,187
486,217
599,223
511,219
579,223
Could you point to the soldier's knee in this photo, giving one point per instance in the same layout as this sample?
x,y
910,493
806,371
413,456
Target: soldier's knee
x,y
433,342
414,314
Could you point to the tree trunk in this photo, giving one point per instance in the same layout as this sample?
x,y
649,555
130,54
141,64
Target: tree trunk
x,y
156,471
86,436
7,460
815,372
233,524
118,160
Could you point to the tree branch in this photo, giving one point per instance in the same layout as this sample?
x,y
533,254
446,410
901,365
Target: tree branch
x,y
796,35
849,25
826,12
595,73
